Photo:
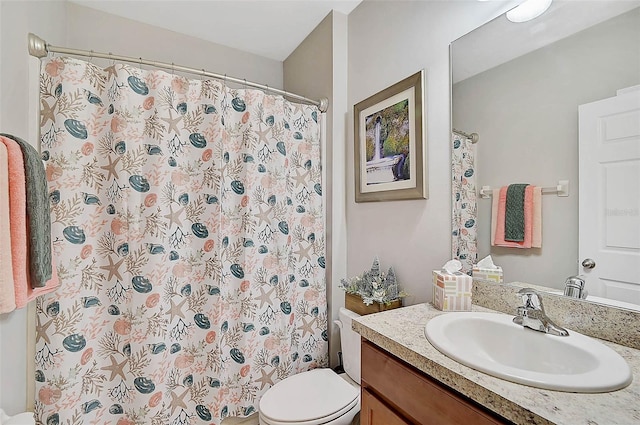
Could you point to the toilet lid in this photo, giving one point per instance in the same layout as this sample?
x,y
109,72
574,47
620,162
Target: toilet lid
x,y
309,396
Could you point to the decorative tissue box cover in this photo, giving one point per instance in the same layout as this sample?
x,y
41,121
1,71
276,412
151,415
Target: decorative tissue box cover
x,y
452,292
492,275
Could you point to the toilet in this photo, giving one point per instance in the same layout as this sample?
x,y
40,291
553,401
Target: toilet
x,y
318,396
25,418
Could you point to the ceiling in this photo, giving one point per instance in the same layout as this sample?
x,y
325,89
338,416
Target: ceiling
x,y
269,28
500,40
274,28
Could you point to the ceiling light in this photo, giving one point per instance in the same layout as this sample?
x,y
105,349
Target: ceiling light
x,y
528,10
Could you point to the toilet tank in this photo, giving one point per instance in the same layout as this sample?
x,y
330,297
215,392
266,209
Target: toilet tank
x,y
350,341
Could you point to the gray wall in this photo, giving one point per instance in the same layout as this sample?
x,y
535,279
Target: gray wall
x,y
318,68
95,30
526,113
389,41
67,24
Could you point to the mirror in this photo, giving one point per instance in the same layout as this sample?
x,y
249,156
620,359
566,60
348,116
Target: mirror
x,y
518,86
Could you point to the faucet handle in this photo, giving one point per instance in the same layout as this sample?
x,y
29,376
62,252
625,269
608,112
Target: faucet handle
x,y
531,298
532,315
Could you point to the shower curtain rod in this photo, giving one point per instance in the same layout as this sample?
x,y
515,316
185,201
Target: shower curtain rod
x,y
473,136
40,48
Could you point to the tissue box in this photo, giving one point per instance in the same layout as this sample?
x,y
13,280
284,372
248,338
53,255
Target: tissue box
x,y
491,275
451,292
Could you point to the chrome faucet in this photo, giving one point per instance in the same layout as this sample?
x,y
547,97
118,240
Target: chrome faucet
x,y
574,287
531,315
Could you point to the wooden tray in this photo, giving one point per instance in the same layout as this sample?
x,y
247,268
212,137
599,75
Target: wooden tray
x,y
354,303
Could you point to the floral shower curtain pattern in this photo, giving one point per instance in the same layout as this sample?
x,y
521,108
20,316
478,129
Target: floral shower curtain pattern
x,y
464,204
188,224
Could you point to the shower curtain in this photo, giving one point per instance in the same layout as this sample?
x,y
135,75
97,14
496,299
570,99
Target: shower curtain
x,y
464,206
189,231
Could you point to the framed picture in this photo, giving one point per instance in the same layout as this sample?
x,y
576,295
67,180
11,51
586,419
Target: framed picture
x,y
390,143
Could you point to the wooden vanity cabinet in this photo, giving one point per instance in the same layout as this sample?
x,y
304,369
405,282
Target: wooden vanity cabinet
x,y
395,393
375,412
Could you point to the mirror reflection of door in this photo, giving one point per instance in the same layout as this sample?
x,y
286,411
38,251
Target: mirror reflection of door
x,y
609,199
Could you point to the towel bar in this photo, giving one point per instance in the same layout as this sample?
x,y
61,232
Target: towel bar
x,y
561,189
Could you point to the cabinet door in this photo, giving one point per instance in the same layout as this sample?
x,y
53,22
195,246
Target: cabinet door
x,y
374,412
416,396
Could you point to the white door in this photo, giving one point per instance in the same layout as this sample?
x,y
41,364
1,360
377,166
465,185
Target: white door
x,y
609,195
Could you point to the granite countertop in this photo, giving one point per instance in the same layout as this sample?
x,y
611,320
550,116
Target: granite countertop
x,y
401,332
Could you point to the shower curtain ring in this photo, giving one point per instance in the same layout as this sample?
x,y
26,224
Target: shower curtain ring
x,y
91,57
113,61
140,64
173,68
245,84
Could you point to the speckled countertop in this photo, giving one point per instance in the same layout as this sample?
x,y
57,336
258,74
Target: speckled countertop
x,y
401,332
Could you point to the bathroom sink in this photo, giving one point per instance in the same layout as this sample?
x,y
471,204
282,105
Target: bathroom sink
x,y
493,344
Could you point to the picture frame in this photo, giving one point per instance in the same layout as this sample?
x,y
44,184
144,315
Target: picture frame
x,y
390,143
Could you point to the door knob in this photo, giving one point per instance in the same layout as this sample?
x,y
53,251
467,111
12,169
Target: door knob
x,y
588,263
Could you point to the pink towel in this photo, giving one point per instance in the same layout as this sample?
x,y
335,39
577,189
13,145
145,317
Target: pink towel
x,y
7,291
17,213
528,220
536,238
494,214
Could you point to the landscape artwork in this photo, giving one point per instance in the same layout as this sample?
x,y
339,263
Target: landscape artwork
x,y
389,143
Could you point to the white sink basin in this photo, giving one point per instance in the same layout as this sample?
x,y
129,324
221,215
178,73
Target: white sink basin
x,y
492,343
